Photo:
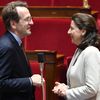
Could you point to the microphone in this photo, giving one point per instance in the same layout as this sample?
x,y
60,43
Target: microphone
x,y
41,60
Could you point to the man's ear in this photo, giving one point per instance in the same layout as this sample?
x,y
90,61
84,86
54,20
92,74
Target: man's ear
x,y
13,24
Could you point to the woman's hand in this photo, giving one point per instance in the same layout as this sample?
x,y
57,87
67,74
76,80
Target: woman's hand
x,y
60,89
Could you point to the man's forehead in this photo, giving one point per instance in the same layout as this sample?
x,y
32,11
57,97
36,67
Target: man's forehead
x,y
22,11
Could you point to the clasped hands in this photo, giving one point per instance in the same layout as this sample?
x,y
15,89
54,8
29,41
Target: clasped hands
x,y
60,89
36,80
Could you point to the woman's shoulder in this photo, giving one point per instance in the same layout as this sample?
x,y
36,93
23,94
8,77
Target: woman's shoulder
x,y
90,50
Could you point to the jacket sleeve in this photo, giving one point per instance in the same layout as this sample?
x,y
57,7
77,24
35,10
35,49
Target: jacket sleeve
x,y
8,83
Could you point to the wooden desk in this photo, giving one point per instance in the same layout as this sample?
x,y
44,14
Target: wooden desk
x,y
51,57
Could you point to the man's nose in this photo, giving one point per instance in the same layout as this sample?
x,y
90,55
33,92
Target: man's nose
x,y
31,22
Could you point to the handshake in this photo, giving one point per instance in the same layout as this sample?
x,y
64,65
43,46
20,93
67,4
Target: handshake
x,y
37,80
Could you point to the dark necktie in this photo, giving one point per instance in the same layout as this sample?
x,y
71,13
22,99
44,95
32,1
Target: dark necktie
x,y
22,48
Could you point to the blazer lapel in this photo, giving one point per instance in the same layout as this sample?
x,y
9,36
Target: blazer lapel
x,y
73,61
75,57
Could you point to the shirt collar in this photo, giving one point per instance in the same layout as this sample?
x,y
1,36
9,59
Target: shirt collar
x,y
17,38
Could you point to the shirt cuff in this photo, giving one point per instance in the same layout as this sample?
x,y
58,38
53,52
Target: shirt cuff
x,y
30,80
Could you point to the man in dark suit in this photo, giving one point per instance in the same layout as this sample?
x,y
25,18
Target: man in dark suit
x,y
16,79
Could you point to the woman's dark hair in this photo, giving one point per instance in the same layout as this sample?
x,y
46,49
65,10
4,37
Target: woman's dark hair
x,y
87,22
9,12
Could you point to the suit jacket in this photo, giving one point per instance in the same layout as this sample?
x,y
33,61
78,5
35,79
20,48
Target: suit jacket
x,y
14,71
83,75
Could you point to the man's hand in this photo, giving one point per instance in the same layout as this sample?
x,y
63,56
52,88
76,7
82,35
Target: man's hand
x,y
36,79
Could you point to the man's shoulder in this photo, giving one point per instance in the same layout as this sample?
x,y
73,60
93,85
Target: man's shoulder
x,y
4,38
5,41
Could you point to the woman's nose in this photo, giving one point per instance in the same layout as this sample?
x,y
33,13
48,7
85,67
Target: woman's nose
x,y
68,32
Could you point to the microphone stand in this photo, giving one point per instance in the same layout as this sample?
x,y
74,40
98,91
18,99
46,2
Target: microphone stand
x,y
42,81
41,60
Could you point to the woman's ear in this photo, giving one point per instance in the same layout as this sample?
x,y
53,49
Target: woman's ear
x,y
83,32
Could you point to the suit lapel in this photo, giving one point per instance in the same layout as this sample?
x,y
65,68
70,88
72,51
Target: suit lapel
x,y
19,50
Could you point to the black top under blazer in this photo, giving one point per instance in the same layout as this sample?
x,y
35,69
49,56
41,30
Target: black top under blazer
x,y
14,71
